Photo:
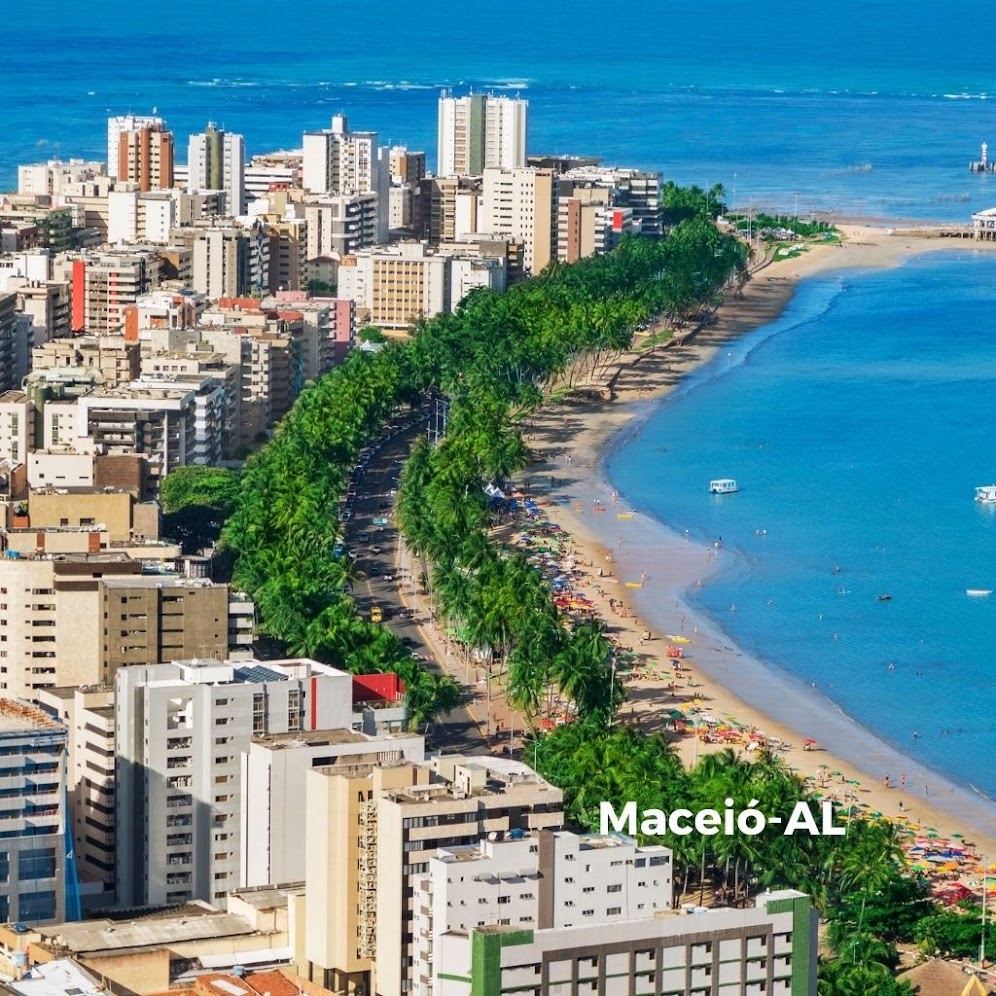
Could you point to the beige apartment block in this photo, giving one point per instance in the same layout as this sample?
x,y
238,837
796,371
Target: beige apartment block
x,y
49,622
520,203
371,833
115,360
80,508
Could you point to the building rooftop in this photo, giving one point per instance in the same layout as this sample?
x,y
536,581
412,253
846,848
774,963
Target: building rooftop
x,y
269,897
177,926
13,397
17,717
62,977
312,738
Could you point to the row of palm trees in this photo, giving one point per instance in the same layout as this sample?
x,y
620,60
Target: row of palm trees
x,y
844,875
496,359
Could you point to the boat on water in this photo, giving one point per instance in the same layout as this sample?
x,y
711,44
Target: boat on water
x,y
978,592
986,493
883,598
727,486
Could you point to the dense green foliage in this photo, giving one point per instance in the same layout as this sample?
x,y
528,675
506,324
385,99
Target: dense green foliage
x,y
493,359
685,203
196,501
858,882
496,359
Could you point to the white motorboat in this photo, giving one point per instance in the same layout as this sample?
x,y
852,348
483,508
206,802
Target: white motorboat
x,y
726,486
978,592
986,493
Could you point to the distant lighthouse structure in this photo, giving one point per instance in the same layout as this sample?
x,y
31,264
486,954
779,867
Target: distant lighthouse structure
x,y
983,165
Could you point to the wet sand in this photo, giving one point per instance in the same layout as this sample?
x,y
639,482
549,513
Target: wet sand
x,y
570,440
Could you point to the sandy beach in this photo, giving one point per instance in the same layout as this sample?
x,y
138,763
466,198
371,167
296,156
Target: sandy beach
x,y
637,572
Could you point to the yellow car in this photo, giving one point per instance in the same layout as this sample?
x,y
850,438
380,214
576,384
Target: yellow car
x,y
376,614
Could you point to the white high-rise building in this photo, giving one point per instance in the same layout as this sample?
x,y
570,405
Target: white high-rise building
x,y
337,161
116,126
553,879
480,131
181,731
216,160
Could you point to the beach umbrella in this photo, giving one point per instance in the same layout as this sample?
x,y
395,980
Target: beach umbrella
x,y
933,834
837,773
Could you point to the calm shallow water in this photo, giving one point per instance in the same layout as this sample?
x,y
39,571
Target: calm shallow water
x,y
857,427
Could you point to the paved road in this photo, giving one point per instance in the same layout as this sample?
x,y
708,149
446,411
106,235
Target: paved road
x,y
377,564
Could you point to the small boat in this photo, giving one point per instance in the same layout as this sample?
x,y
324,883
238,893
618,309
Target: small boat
x,y
986,493
979,592
883,598
727,486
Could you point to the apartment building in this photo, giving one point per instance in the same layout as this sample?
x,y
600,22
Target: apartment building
x,y
39,881
767,950
519,203
334,318
140,216
548,880
274,784
398,284
104,284
371,831
119,125
87,714
192,365
171,423
337,161
480,131
54,225
167,308
229,260
216,160
50,178
181,729
449,208
270,354
48,616
8,341
339,224
17,426
633,189
145,157
46,302
115,360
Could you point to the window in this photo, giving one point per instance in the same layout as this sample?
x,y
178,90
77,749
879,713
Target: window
x,y
613,911
614,888
36,863
36,906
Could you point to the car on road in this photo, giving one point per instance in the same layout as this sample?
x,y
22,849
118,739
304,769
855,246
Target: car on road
x,y
363,536
376,614
364,497
353,554
375,549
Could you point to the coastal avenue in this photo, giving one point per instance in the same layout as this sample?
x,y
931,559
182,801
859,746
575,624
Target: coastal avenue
x,y
379,585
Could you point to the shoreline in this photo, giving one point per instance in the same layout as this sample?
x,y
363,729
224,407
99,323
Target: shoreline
x,y
573,441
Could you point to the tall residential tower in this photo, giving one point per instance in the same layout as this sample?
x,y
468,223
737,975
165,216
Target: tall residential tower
x,y
480,131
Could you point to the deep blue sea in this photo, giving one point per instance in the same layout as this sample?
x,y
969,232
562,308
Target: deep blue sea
x,y
858,431
872,107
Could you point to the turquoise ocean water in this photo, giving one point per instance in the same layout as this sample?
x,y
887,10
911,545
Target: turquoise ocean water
x,y
857,428
858,425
